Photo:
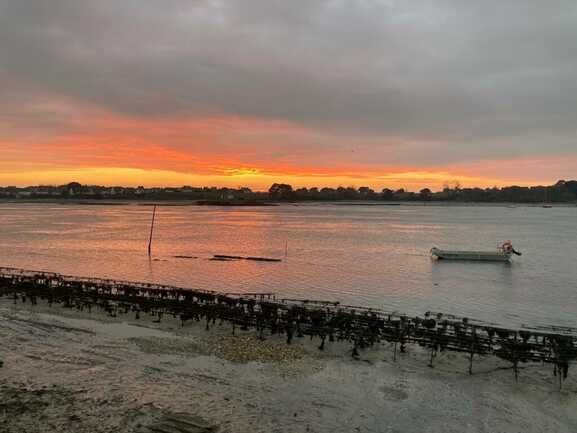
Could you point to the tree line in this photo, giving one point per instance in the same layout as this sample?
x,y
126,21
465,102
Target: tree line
x,y
561,192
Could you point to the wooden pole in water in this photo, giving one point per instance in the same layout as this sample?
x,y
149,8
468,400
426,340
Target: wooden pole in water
x,y
151,229
286,249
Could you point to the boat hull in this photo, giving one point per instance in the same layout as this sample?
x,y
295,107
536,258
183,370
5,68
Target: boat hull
x,y
482,256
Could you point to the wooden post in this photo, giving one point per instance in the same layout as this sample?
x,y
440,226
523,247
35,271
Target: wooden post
x,y
515,359
473,340
286,249
432,355
151,230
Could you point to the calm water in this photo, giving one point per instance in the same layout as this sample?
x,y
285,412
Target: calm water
x,y
362,255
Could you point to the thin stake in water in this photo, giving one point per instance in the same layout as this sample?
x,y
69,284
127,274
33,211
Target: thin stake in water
x,y
151,229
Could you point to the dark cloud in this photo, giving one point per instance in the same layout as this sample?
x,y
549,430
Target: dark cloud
x,y
449,80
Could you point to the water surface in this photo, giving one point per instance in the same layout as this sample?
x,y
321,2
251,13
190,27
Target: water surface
x,y
362,255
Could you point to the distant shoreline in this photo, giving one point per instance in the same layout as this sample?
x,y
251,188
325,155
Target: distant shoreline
x,y
184,202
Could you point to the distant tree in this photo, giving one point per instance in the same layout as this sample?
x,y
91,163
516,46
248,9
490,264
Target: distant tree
x,y
302,194
425,194
561,192
366,192
400,194
387,194
281,191
341,193
328,194
351,193
74,186
571,186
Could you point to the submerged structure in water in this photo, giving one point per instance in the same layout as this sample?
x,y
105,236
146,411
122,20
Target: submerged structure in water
x,y
327,321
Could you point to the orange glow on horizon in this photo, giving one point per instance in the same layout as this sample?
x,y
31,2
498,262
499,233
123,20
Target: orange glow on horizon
x,y
253,178
102,148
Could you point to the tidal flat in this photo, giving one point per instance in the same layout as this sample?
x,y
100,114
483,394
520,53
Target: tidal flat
x,y
67,371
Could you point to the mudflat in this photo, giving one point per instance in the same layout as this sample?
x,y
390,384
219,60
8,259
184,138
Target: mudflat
x,y
66,371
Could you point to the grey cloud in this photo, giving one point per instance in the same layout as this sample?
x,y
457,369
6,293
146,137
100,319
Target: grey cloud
x,y
468,80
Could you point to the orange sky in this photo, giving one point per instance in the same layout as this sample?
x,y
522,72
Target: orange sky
x,y
252,178
98,147
114,150
411,95
236,175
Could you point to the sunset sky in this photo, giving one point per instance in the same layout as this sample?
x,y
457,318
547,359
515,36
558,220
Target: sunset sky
x,y
382,93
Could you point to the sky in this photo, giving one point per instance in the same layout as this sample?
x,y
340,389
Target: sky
x,y
383,93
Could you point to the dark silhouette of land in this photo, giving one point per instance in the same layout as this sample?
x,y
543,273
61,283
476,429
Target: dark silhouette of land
x,y
560,192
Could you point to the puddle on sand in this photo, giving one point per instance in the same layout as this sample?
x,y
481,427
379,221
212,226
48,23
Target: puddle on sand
x,y
116,329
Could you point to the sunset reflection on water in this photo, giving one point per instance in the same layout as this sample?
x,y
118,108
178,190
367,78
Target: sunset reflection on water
x,y
373,256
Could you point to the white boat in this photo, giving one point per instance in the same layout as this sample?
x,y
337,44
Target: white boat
x,y
502,254
489,256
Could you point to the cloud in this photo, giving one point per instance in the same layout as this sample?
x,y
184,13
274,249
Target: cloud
x,y
372,84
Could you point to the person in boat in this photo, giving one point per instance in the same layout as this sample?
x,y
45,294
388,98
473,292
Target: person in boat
x,y
507,248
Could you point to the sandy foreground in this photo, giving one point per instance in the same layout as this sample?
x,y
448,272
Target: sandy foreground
x,y
66,371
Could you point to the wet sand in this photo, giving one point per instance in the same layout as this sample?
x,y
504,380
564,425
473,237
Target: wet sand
x,y
66,371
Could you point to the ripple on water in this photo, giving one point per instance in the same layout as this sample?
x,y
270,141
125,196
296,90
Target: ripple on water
x,y
373,256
